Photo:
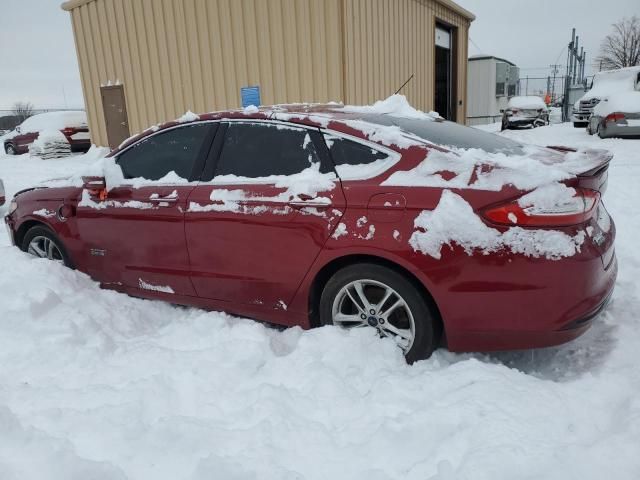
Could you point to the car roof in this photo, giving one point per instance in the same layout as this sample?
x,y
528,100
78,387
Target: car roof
x,y
332,116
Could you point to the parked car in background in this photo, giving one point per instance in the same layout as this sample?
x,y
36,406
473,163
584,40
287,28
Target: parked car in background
x,y
72,124
604,84
617,115
325,215
525,111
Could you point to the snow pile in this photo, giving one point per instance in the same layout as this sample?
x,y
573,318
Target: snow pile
x,y
50,144
627,102
189,116
479,170
453,221
395,106
529,102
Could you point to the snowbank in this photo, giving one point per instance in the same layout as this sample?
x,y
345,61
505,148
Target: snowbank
x,y
626,102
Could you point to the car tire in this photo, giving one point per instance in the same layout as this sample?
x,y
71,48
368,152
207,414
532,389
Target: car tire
x,y
41,242
9,149
413,317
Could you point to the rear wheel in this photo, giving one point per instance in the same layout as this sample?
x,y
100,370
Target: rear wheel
x,y
372,296
10,149
41,242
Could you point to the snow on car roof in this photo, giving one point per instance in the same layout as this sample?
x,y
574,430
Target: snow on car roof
x,y
612,81
54,121
526,102
625,102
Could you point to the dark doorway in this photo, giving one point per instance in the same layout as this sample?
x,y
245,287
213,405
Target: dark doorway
x,y
445,95
115,114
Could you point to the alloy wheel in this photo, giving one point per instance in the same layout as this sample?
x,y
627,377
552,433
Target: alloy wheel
x,y
369,303
44,247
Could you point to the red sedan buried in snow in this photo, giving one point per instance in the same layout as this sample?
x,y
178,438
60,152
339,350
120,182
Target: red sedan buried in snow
x,y
427,231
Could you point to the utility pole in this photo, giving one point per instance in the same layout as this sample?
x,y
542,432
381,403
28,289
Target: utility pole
x,y
555,69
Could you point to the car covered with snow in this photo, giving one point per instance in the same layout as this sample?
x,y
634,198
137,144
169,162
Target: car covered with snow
x,y
382,217
617,115
69,127
604,84
525,111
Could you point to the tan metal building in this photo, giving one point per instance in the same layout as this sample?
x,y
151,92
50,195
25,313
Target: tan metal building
x,y
147,61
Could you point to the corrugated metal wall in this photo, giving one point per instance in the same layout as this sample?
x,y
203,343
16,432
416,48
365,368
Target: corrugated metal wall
x,y
196,54
388,40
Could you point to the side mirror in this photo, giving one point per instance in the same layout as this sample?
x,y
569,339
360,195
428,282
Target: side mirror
x,y
96,186
18,129
502,110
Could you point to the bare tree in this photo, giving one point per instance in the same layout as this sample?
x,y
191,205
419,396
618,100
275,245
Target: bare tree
x,y
22,110
621,48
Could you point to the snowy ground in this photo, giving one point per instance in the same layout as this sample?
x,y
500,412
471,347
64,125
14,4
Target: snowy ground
x,y
94,384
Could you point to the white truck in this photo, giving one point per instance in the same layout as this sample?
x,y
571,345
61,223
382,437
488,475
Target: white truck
x,y
604,84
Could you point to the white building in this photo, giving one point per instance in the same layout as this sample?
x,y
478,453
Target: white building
x,y
491,82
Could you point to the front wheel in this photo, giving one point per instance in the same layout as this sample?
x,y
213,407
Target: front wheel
x,y
10,149
372,296
41,242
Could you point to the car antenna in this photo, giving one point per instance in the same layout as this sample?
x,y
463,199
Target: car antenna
x,y
404,84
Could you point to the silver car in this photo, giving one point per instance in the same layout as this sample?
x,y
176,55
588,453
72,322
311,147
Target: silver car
x,y
617,115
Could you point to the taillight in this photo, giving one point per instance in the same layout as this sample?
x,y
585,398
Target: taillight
x,y
614,117
69,131
579,209
514,110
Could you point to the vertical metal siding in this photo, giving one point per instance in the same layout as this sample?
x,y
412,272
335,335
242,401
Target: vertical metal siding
x,y
196,54
388,40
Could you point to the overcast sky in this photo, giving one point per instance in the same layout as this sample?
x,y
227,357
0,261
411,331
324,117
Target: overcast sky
x,y
38,59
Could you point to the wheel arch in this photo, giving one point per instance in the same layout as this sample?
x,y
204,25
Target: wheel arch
x,y
330,268
27,225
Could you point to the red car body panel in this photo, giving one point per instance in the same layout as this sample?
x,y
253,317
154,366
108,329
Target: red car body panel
x,y
267,266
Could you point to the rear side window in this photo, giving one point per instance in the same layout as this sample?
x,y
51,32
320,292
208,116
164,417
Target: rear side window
x,y
256,150
354,160
172,151
348,152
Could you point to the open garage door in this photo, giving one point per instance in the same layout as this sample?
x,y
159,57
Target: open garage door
x,y
445,72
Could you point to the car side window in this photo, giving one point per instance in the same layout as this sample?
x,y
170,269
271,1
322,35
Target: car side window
x,y
175,150
357,161
347,152
256,150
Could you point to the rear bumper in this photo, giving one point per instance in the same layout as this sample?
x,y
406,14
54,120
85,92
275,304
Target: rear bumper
x,y
613,130
584,316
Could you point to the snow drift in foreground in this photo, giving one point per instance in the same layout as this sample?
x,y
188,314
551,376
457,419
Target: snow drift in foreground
x,y
97,385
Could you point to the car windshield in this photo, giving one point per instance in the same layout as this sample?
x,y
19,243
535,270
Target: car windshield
x,y
448,134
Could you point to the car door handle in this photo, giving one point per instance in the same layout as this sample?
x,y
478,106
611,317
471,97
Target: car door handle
x,y
158,199
313,203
